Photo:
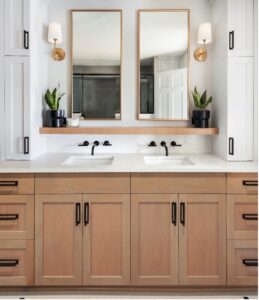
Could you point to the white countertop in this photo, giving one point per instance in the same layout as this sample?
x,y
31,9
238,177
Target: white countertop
x,y
125,163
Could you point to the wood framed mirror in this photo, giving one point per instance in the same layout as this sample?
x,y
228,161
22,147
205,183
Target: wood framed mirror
x,y
163,65
96,47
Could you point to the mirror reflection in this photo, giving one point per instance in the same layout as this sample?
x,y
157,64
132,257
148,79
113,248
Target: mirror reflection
x,y
96,64
163,65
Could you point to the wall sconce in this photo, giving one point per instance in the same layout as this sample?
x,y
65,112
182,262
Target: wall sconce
x,y
204,38
55,37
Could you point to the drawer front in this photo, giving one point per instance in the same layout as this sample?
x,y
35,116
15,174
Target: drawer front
x,y
242,183
16,217
16,184
242,262
16,263
178,183
242,217
82,183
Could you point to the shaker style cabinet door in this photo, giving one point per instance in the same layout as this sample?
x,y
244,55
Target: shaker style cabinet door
x,y
240,26
58,240
240,109
17,108
17,27
154,239
202,239
106,239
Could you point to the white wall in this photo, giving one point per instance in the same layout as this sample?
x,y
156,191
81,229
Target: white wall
x,y
200,73
2,79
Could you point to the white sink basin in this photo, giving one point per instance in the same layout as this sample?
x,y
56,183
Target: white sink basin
x,y
88,161
167,161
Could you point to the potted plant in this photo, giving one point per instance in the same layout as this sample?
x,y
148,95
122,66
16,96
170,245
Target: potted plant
x,y
201,115
55,116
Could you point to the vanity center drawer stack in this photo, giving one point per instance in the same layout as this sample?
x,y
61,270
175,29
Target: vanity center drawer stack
x,y
242,222
16,229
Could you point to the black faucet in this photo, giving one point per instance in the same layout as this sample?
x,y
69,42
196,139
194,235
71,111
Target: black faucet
x,y
152,144
174,144
163,144
95,144
85,144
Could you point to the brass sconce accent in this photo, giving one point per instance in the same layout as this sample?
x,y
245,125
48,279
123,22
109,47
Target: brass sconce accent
x,y
58,53
204,38
55,37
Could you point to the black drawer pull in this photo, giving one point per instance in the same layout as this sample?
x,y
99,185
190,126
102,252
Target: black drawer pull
x,y
174,208
8,262
231,40
86,213
182,213
78,213
250,182
26,39
26,145
250,217
8,183
9,217
250,262
231,146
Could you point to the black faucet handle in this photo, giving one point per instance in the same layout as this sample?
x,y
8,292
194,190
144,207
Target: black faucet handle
x,y
152,144
163,144
174,144
107,144
85,144
96,143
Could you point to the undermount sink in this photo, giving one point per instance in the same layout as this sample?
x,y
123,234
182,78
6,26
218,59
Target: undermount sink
x,y
168,161
88,161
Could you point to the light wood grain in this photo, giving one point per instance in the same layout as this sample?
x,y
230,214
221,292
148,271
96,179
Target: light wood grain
x,y
106,240
58,241
235,183
23,273
154,240
239,228
202,240
82,183
25,184
238,273
132,130
23,227
164,183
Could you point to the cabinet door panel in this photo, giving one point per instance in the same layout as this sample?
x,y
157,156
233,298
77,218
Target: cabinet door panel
x,y
58,241
17,107
17,27
202,240
154,238
106,256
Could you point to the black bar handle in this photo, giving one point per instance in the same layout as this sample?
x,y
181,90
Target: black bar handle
x,y
174,209
9,262
26,145
250,262
250,217
250,182
8,183
86,213
78,213
26,39
231,40
9,217
182,213
231,146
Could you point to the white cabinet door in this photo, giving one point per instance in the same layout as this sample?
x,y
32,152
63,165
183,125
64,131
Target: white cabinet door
x,y
17,27
240,25
17,107
240,108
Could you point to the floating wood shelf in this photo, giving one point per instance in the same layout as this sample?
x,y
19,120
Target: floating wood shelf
x,y
132,130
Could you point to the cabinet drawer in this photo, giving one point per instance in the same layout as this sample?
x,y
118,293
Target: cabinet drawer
x,y
164,183
242,262
16,217
245,183
82,183
16,263
242,217
15,184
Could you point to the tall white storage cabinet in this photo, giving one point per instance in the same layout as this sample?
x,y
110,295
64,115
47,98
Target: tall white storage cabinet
x,y
233,78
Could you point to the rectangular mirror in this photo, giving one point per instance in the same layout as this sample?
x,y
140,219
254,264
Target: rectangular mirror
x,y
96,63
163,65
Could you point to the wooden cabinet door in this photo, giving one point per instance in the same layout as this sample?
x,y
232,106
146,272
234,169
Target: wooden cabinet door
x,y
58,240
106,239
154,239
202,239
17,27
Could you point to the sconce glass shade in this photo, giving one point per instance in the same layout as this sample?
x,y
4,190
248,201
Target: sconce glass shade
x,y
55,33
205,34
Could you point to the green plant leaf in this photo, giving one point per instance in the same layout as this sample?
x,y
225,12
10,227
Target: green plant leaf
x,y
203,98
